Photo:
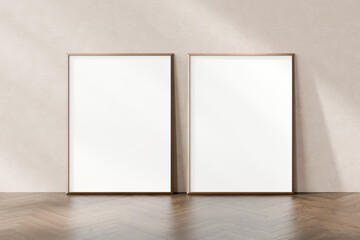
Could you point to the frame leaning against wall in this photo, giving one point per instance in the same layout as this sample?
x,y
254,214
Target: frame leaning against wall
x,y
292,123
172,124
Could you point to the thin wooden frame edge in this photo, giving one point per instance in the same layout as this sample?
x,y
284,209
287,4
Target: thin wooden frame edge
x,y
293,122
293,147
240,193
241,54
172,124
118,193
120,54
188,130
68,127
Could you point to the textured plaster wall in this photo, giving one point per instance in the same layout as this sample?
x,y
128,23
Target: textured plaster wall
x,y
36,35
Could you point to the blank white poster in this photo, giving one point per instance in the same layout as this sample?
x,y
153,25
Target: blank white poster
x,y
120,123
240,124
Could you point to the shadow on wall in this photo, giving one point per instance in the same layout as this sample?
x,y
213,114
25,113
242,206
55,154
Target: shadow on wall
x,y
33,101
314,154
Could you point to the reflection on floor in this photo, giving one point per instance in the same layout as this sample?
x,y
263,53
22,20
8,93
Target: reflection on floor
x,y
49,216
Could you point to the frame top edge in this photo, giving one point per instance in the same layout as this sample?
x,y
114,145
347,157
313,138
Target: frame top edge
x,y
120,54
241,54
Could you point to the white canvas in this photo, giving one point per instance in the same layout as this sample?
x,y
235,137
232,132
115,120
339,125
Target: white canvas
x,y
240,124
120,123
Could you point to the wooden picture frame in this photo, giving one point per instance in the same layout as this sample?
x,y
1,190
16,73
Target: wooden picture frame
x,y
292,73
172,125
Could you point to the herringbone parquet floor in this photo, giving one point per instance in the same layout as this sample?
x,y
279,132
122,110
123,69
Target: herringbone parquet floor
x,y
49,216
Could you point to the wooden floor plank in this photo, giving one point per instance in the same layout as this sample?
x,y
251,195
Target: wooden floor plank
x,y
179,217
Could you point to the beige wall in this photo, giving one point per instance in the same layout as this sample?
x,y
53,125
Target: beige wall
x,y
36,35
